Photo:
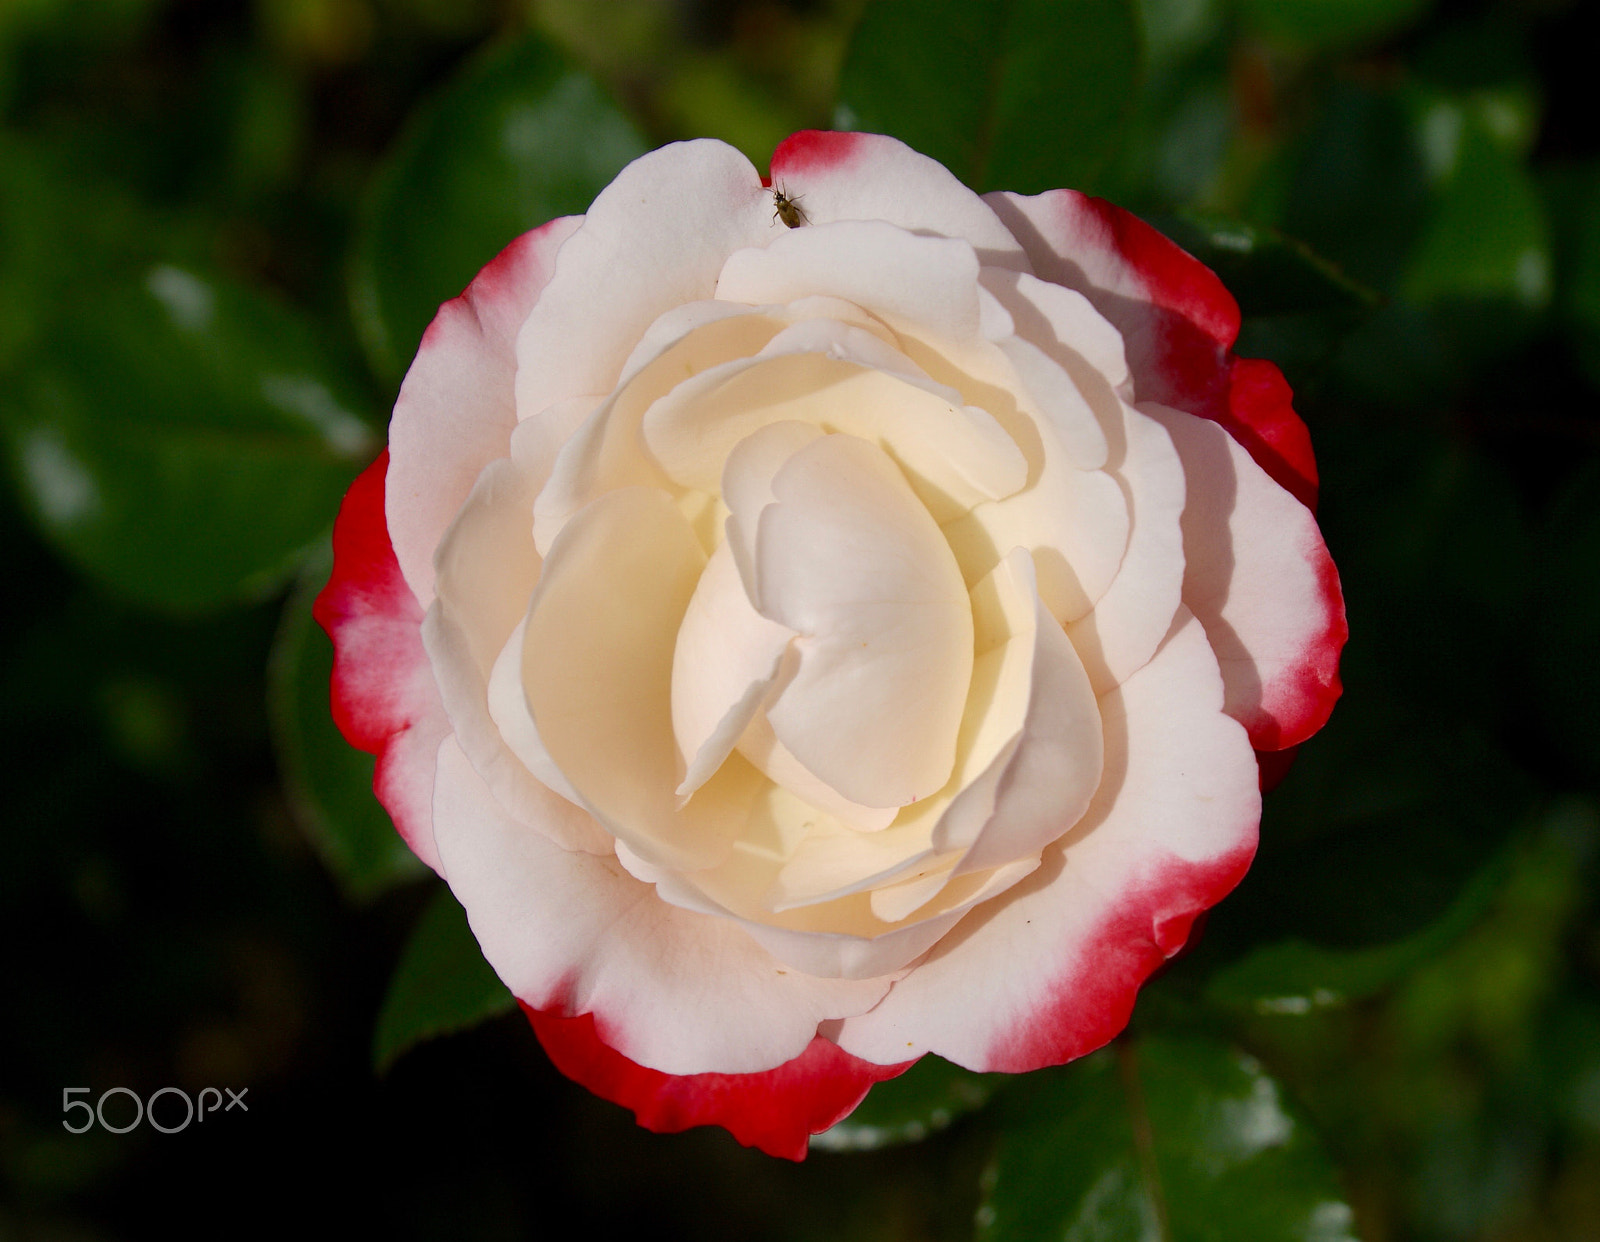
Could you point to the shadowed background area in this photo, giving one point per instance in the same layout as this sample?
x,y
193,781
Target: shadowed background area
x,y
224,226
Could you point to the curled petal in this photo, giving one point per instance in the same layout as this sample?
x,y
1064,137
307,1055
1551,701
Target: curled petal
x,y
597,672
930,281
726,663
838,378
849,560
1051,973
484,573
1260,579
1057,765
607,451
1177,319
1261,417
1130,620
872,948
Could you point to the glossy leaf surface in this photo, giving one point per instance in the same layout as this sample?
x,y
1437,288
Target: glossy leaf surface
x,y
925,1099
441,984
1176,1139
184,439
1023,96
519,139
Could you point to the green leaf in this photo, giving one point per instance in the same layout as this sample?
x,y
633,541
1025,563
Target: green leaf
x,y
328,781
441,985
183,439
517,140
1361,189
1176,30
1422,194
1569,1045
1295,978
1573,195
1268,272
1380,827
1487,62
922,1101
1170,1139
1331,23
1488,238
64,225
711,96
1022,95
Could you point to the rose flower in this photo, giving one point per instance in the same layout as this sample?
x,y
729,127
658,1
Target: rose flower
x,y
815,622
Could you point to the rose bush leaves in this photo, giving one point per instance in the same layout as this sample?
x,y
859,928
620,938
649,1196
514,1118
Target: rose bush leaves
x,y
441,983
1330,23
1021,94
518,139
144,388
1573,195
1421,218
1293,977
183,438
927,1098
1177,1138
1268,272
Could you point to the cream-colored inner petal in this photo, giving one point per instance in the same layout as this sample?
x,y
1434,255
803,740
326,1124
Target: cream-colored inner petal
x,y
607,452
727,660
508,707
849,559
894,274
954,455
786,645
747,484
597,672
760,745
803,865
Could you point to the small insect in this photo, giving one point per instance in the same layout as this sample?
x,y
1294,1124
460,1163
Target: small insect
x,y
787,209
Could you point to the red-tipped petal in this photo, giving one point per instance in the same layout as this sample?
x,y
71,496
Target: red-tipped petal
x,y
818,151
777,1111
1261,417
834,177
384,698
1176,318
1088,1007
1178,321
456,409
1051,971
1260,579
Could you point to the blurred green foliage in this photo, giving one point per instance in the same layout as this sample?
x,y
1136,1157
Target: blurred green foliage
x,y
223,227
519,138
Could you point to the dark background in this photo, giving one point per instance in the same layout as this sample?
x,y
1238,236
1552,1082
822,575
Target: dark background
x,y
195,890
